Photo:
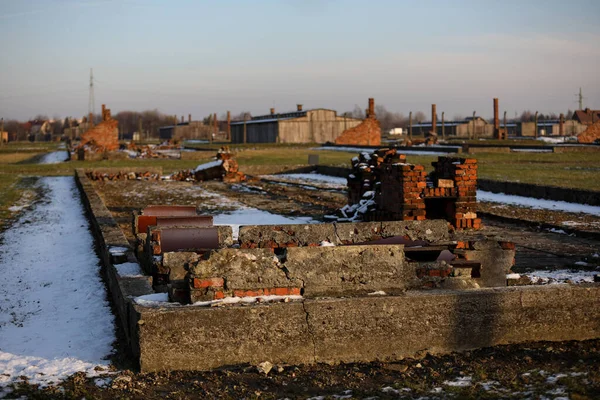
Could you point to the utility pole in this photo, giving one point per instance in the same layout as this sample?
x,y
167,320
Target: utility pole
x,y
536,124
91,101
140,127
580,99
2,132
505,128
410,126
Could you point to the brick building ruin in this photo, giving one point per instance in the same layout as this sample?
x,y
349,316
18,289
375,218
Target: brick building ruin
x,y
367,133
103,137
383,187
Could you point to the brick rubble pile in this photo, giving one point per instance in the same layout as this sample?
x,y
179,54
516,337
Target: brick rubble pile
x,y
591,134
383,187
224,168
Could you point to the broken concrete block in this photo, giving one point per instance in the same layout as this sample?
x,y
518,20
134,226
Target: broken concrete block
x,y
350,270
243,269
274,236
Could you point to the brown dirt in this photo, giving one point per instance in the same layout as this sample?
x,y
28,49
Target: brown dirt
x,y
513,372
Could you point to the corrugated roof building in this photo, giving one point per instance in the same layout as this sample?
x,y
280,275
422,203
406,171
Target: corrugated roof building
x,y
311,126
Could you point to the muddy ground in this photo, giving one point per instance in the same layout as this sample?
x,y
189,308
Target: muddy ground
x,y
534,370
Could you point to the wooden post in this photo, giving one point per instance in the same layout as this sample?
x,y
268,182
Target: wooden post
x,y
245,133
410,126
229,125
505,127
2,132
536,124
139,128
443,127
474,128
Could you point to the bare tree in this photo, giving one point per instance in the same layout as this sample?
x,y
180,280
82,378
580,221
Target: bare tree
x,y
527,116
419,116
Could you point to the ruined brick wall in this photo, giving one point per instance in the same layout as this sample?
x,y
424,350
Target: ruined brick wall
x,y
383,187
367,133
105,135
591,134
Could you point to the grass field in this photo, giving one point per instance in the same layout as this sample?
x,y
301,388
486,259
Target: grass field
x,y
570,170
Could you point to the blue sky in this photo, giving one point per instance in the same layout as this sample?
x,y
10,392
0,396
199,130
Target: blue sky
x,y
201,57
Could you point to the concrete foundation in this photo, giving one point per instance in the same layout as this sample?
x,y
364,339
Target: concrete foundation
x,y
363,328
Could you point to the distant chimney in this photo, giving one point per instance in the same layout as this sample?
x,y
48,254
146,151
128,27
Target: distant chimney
x,y
433,118
90,120
189,117
228,125
371,109
272,111
496,116
561,126
103,112
299,107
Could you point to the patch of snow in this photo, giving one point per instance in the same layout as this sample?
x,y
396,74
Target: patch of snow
x,y
526,150
102,382
248,300
325,243
554,378
377,293
513,276
129,270
55,319
117,250
252,216
55,157
317,178
153,299
537,203
582,264
551,139
561,276
207,165
489,385
461,381
559,231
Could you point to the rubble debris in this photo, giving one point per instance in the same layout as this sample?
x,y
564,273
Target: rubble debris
x,y
122,176
367,133
591,134
103,137
225,167
383,187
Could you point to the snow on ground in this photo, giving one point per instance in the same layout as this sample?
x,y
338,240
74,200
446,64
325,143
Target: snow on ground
x,y
363,149
55,157
561,276
55,319
537,203
526,150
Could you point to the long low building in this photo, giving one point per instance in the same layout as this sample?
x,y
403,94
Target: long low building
x,y
301,126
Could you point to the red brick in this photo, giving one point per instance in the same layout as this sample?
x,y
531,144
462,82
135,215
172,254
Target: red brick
x,y
198,283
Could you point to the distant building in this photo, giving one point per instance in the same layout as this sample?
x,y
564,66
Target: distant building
x,y
185,130
466,128
550,127
587,116
301,126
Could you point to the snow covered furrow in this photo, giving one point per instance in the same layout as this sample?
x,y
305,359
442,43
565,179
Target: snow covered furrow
x,y
55,318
